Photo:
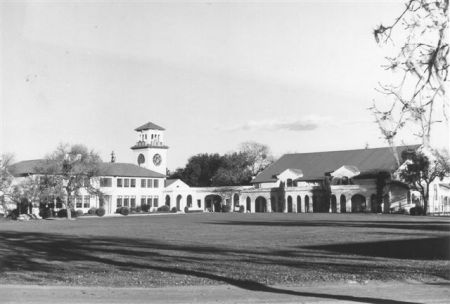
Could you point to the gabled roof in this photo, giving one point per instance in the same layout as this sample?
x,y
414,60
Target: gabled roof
x,y
316,164
169,182
149,126
27,167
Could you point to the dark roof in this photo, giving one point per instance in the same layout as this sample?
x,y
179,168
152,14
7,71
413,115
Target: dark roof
x,y
149,126
27,167
318,163
125,169
169,182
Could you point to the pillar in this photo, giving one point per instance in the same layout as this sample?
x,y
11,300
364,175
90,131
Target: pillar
x,y
285,210
268,205
368,204
252,205
348,205
338,203
302,204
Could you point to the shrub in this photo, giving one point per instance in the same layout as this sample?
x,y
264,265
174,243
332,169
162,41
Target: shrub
x,y
79,212
119,209
46,213
241,209
195,211
174,210
226,208
133,210
100,212
92,211
145,208
186,209
418,210
124,211
63,213
138,209
164,208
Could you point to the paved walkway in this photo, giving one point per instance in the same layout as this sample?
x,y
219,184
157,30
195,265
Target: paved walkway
x,y
372,292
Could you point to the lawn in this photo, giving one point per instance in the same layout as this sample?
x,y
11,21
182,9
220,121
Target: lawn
x,y
245,250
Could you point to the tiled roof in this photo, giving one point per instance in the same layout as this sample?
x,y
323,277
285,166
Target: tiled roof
x,y
26,167
318,163
149,126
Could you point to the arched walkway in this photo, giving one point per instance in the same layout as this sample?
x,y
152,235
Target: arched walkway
x,y
167,203
333,203
299,204
249,204
343,203
289,204
179,197
260,204
213,202
358,203
375,207
236,200
316,207
189,201
307,204
273,204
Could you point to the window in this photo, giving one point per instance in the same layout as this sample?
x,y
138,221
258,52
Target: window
x,y
126,182
435,192
87,201
119,182
143,200
86,181
289,183
119,201
79,202
149,183
126,201
199,203
133,202
156,183
143,183
149,201
155,201
58,203
105,182
133,183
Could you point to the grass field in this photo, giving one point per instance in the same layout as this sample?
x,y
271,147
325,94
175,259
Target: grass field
x,y
245,250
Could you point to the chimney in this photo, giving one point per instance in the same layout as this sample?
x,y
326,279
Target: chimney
x,y
113,157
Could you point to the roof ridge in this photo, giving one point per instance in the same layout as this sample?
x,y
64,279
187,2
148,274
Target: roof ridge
x,y
377,148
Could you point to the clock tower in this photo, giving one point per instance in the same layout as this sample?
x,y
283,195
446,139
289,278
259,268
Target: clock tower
x,y
150,151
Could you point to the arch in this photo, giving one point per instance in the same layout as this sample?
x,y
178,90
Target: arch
x,y
333,203
289,204
299,204
307,203
343,203
260,204
358,203
189,201
213,202
236,200
249,204
179,197
167,203
273,204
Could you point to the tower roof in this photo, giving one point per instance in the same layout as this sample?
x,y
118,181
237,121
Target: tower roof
x,y
149,126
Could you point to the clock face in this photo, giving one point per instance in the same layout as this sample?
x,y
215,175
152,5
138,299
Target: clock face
x,y
157,159
141,159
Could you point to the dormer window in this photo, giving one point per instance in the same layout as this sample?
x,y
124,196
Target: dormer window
x,y
289,182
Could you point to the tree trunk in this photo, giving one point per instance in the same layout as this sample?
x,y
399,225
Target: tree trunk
x,y
425,205
69,214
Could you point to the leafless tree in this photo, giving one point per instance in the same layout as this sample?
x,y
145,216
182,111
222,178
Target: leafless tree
x,y
416,97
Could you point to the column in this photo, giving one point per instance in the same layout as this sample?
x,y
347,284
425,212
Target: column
x,y
330,201
284,205
302,203
348,205
252,206
294,204
368,204
268,205
338,203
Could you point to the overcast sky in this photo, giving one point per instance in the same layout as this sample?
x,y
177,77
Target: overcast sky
x,y
297,76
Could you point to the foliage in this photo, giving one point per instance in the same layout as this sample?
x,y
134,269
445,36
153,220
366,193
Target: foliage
x,y
235,168
145,208
79,212
226,208
92,211
100,212
415,99
174,210
163,208
68,169
241,209
124,211
421,168
186,209
138,209
46,213
63,213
